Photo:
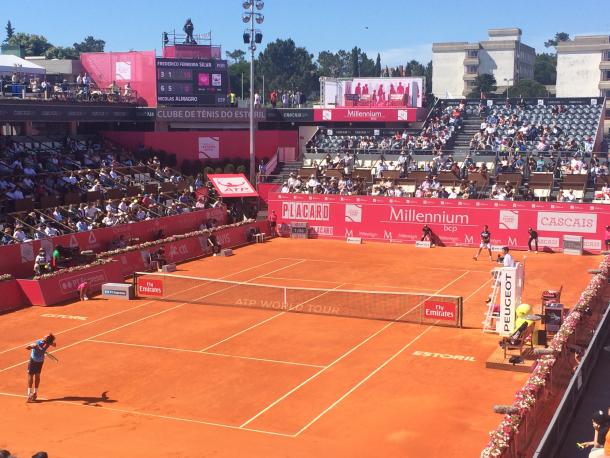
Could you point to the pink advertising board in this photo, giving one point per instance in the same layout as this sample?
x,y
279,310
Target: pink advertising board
x,y
454,222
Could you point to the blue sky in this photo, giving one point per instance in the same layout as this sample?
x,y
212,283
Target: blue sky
x,y
399,30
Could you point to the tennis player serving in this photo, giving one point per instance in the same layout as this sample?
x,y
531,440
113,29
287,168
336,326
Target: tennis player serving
x,y
39,349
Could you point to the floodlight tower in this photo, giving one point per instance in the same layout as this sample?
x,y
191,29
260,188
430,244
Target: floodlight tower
x,y
252,36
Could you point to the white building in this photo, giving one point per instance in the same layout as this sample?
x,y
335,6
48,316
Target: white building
x,y
455,65
583,69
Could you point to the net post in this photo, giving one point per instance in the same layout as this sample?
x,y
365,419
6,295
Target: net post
x,y
460,312
285,298
135,283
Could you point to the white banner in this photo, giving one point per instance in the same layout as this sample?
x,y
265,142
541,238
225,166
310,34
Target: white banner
x,y
511,288
395,91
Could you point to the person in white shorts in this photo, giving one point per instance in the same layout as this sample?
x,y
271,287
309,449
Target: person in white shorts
x,y
485,242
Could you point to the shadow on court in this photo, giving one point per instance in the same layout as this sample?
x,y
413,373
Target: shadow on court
x,y
85,400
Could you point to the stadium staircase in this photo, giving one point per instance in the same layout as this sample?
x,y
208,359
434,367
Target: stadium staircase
x,y
461,142
284,169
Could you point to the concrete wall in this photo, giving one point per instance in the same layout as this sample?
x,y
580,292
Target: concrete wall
x,y
578,74
448,74
499,63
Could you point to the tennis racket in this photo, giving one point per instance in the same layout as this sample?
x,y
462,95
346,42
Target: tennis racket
x,y
52,357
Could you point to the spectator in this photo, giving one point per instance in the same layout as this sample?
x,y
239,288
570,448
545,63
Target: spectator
x,y
41,264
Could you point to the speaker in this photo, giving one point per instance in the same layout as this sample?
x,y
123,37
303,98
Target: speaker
x,y
540,337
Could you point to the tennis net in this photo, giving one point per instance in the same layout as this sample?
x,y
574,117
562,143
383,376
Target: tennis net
x,y
378,305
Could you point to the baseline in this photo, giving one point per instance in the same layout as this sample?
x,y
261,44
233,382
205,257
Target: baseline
x,y
152,415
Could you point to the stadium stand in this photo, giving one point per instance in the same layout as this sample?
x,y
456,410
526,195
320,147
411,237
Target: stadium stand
x,y
465,149
83,89
50,188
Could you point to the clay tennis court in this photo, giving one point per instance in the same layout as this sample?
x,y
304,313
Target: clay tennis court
x,y
183,379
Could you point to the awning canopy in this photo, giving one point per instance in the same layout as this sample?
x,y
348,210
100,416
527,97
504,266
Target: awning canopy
x,y
15,64
233,185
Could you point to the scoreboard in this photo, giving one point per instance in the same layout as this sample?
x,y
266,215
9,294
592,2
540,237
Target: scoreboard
x,y
192,82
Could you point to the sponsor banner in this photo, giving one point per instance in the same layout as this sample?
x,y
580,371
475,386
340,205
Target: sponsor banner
x,y
535,101
150,287
61,288
50,112
193,114
233,185
454,222
581,223
551,242
439,310
310,211
18,259
366,114
324,231
593,245
95,277
386,91
290,115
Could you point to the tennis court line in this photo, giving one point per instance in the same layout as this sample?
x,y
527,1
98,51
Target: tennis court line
x,y
430,268
341,357
154,314
414,288
266,320
385,363
186,350
152,415
134,307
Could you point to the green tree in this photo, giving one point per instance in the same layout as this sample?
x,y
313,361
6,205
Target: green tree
x,y
378,65
236,56
545,68
485,84
60,52
414,68
237,71
428,75
34,45
90,44
355,61
559,37
360,63
10,31
367,66
287,67
330,64
526,88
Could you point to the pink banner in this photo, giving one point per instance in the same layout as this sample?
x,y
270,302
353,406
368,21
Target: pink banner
x,y
188,248
19,259
135,67
192,52
369,114
231,144
12,296
454,222
232,185
62,288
